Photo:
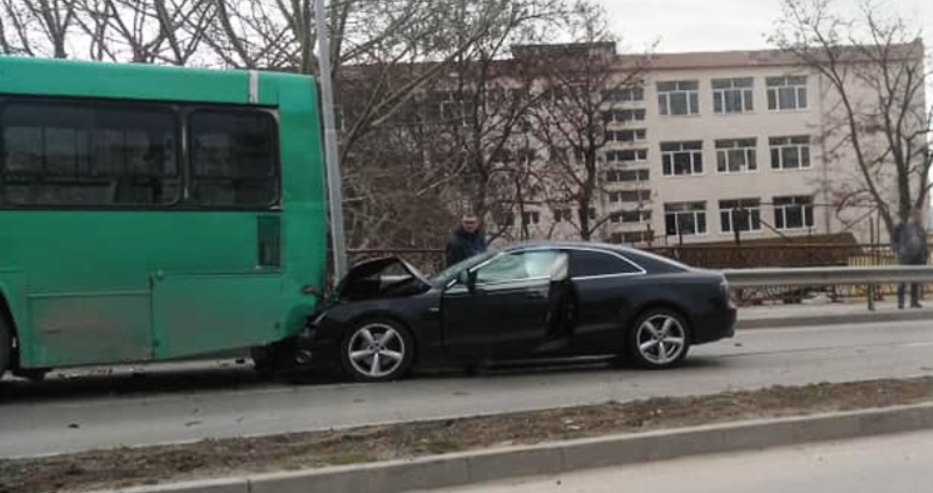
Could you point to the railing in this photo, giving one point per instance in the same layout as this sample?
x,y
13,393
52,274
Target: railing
x,y
830,276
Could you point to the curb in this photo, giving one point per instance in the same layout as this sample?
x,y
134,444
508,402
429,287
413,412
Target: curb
x,y
855,318
560,457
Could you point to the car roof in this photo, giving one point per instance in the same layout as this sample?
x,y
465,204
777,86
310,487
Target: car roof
x,y
580,245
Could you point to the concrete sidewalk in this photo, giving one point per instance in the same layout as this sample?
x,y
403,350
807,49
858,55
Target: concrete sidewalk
x,y
811,313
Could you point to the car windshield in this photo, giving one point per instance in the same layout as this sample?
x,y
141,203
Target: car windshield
x,y
451,272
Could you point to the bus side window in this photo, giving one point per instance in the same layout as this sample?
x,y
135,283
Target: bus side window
x,y
68,154
234,159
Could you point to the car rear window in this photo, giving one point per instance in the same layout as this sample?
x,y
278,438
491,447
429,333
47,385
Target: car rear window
x,y
591,263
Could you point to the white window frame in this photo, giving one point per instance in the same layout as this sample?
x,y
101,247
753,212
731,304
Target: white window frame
x,y
644,216
688,89
727,150
689,210
669,157
641,156
753,206
802,202
615,175
616,197
793,86
800,144
620,116
742,88
626,95
532,218
637,135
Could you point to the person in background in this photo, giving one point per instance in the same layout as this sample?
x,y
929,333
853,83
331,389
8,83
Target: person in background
x,y
467,241
910,244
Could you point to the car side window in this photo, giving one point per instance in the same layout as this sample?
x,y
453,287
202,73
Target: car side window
x,y
518,266
586,263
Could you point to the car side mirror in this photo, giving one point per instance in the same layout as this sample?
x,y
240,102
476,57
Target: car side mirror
x,y
468,279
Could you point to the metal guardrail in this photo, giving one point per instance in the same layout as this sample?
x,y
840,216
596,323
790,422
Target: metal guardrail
x,y
831,276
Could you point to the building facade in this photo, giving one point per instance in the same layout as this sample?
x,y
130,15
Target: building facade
x,y
715,147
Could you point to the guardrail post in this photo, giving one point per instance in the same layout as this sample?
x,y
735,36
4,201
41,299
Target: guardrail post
x,y
871,297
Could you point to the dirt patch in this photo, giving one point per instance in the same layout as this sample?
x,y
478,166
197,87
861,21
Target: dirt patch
x,y
216,458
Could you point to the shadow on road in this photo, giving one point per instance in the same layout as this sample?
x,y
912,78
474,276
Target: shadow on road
x,y
129,382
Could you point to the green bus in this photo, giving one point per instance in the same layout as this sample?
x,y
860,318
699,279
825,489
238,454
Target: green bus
x,y
155,213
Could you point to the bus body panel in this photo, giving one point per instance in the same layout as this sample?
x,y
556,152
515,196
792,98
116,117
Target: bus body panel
x,y
107,285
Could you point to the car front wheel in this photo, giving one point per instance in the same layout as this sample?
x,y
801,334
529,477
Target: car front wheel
x,y
377,351
659,339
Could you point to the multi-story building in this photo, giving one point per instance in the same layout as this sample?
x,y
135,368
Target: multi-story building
x,y
712,143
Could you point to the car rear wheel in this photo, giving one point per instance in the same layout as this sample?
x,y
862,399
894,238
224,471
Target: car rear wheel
x,y
659,339
377,351
6,346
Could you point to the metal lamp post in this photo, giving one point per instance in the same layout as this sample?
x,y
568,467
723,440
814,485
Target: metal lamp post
x,y
331,160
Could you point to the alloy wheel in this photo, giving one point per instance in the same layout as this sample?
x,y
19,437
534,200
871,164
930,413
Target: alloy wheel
x,y
376,350
661,339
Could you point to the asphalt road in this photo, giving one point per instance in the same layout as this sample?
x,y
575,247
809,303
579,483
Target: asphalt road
x,y
190,403
889,464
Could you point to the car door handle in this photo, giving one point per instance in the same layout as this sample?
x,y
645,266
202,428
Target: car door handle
x,y
536,296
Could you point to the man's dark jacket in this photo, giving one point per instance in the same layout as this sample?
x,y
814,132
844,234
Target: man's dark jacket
x,y
463,245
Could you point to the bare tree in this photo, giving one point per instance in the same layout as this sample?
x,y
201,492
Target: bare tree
x,y
36,27
874,66
579,82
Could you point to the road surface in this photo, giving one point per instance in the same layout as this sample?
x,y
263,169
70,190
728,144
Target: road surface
x,y
94,412
889,464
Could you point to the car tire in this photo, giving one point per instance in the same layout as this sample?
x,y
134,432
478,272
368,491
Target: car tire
x,y
6,346
377,350
659,339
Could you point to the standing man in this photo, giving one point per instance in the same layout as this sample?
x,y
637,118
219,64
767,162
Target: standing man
x,y
467,241
910,244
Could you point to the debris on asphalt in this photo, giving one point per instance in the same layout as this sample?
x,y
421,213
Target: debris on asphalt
x,y
124,467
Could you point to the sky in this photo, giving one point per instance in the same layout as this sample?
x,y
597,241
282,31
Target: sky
x,y
717,25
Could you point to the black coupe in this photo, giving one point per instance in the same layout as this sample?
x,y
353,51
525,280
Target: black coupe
x,y
528,301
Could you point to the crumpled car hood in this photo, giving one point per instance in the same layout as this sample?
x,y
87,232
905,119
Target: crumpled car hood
x,y
389,277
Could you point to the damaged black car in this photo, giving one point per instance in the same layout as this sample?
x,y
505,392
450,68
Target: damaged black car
x,y
530,301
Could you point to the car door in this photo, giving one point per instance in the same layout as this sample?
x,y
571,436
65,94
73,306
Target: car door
x,y
603,282
504,314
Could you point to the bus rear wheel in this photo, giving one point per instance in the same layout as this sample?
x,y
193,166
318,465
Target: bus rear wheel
x,y
6,346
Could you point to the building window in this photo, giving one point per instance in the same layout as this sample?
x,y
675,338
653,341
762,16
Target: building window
x,y
625,116
685,218
531,217
793,212
628,135
736,155
740,215
592,213
787,93
630,196
79,155
733,95
682,158
626,95
679,98
790,152
627,175
635,237
627,156
635,217
561,215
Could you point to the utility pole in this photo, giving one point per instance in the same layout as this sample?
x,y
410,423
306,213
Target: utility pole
x,y
331,160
